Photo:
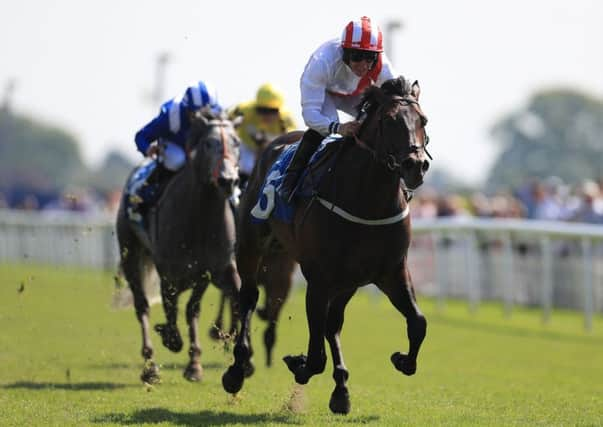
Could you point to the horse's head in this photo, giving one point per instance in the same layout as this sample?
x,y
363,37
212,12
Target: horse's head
x,y
394,129
213,148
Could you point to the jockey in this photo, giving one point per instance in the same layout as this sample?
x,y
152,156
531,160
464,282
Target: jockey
x,y
164,139
335,78
263,120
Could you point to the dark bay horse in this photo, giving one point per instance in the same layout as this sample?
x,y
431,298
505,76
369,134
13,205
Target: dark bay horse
x,y
355,231
191,239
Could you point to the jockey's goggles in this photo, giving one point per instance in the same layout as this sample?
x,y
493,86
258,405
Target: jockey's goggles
x,y
363,55
266,110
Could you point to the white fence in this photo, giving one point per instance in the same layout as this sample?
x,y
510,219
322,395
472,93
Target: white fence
x,y
537,263
58,238
546,264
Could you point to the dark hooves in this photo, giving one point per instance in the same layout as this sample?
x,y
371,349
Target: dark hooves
x,y
215,333
262,313
403,363
297,365
193,372
340,401
170,337
232,380
295,362
248,369
150,374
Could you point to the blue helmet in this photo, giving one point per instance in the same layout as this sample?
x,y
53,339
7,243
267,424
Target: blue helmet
x,y
199,95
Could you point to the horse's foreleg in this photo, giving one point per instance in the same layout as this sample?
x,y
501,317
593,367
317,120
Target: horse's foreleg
x,y
340,398
170,335
399,289
194,370
233,378
316,312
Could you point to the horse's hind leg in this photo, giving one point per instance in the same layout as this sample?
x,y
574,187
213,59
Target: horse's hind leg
x,y
133,263
230,284
215,331
399,289
194,370
277,280
340,398
170,335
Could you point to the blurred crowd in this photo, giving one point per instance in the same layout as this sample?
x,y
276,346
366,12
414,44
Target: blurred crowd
x,y
540,199
548,199
77,199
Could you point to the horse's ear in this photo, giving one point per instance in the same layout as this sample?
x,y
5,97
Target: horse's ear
x,y
200,118
415,89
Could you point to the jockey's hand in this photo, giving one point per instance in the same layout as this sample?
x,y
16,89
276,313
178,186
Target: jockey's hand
x,y
349,128
153,150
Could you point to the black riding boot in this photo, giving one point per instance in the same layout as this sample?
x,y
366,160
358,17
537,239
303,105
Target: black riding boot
x,y
307,146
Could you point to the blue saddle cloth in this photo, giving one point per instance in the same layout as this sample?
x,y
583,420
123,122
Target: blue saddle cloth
x,y
136,183
269,202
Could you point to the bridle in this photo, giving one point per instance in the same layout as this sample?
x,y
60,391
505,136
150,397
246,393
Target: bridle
x,y
389,160
226,151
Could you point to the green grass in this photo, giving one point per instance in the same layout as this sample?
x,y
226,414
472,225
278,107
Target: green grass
x,y
68,358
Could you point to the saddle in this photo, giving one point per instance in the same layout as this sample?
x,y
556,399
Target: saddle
x,y
143,189
269,202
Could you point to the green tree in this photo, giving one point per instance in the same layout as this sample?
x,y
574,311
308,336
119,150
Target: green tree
x,y
35,155
559,133
112,173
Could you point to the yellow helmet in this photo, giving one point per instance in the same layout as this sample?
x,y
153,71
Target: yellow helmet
x,y
269,97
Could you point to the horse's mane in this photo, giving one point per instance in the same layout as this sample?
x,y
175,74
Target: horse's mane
x,y
374,95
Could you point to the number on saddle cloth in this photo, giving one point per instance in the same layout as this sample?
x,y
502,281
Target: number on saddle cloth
x,y
138,190
269,201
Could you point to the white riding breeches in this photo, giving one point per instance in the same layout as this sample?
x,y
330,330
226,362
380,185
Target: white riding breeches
x,y
172,156
246,159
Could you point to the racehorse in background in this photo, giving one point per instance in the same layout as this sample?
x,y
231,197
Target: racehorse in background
x,y
190,240
275,275
353,231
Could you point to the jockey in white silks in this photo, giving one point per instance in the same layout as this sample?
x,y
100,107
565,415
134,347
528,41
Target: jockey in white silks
x,y
335,78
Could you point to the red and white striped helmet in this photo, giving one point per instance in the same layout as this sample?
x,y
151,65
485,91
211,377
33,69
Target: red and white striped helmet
x,y
362,35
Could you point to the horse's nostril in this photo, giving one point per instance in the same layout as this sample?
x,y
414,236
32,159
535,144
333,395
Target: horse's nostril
x,y
425,166
407,164
224,182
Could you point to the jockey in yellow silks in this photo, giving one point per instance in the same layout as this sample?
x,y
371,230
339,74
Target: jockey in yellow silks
x,y
263,119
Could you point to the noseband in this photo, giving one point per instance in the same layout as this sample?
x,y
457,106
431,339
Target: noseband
x,y
226,151
389,160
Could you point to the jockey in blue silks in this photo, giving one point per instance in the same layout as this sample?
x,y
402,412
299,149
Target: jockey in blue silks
x,y
163,140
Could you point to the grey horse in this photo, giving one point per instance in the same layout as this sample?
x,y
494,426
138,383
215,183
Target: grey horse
x,y
190,239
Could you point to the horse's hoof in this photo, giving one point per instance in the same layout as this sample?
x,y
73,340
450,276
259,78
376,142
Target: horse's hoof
x,y
215,333
340,401
248,369
150,373
232,380
262,313
193,372
403,364
295,362
170,337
